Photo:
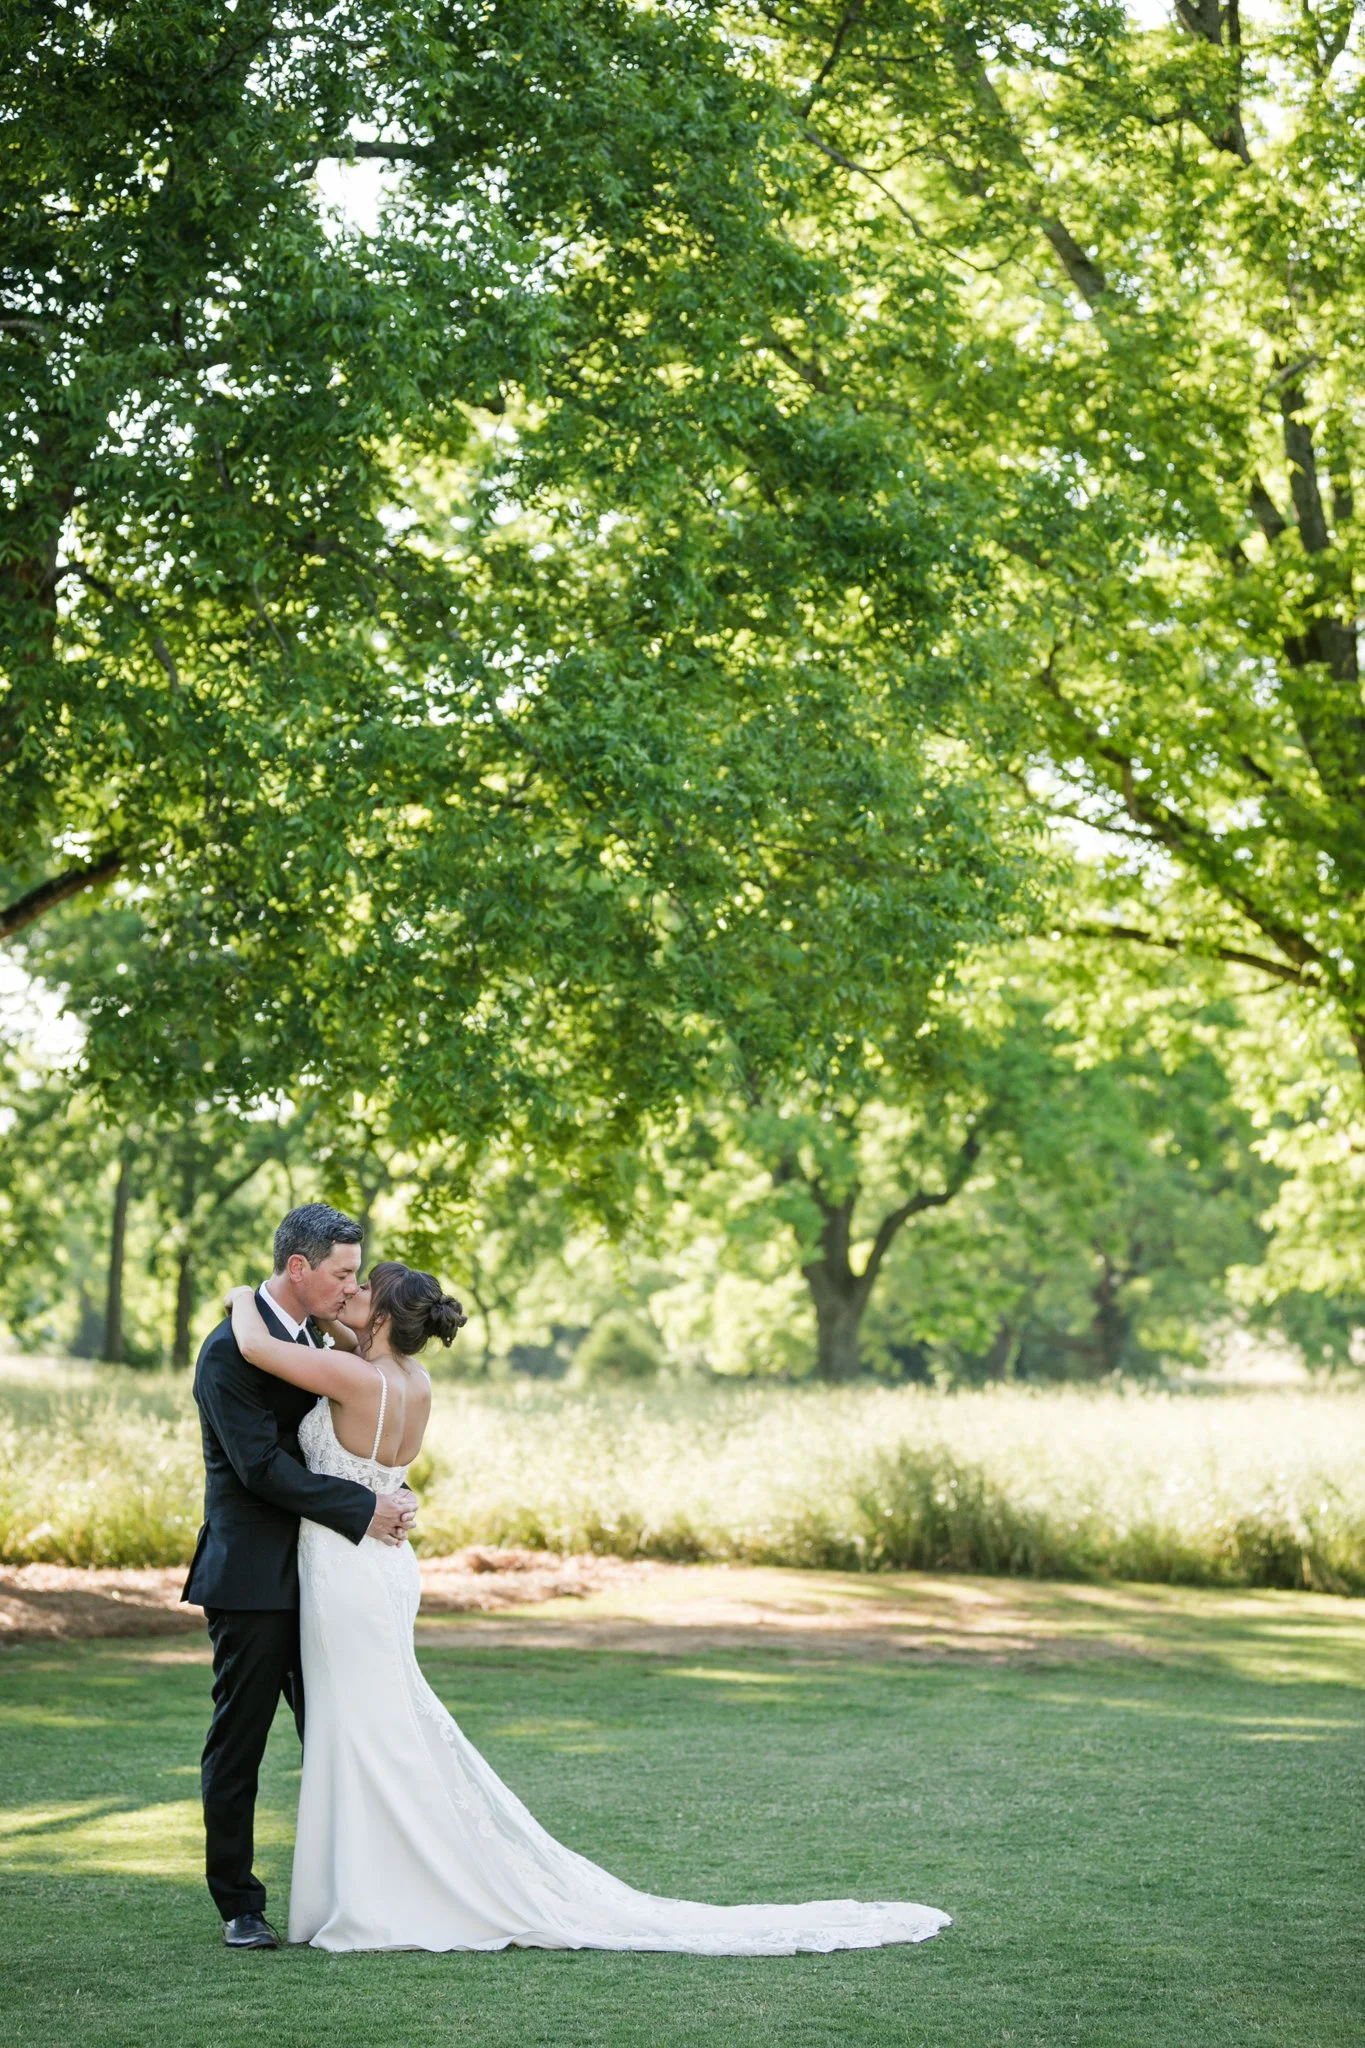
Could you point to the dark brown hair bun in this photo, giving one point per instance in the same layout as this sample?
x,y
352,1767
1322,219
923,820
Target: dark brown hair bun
x,y
416,1304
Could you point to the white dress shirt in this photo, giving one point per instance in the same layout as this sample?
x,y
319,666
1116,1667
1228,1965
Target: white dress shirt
x,y
290,1325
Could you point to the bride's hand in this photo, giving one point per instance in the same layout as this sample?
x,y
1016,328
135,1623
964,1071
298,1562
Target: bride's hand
x,y
232,1295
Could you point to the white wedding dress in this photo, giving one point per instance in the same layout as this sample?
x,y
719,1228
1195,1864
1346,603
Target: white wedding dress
x,y
406,1837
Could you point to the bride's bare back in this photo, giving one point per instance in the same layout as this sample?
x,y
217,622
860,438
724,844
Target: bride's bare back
x,y
406,1404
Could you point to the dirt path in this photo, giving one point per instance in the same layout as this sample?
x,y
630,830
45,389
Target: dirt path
x,y
534,1599
50,1602
524,1599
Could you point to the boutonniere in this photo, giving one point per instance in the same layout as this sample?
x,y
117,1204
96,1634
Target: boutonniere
x,y
329,1342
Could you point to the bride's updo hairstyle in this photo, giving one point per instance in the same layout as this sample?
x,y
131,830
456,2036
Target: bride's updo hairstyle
x,y
417,1308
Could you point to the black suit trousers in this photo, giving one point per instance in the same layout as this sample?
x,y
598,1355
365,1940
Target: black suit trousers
x,y
255,1660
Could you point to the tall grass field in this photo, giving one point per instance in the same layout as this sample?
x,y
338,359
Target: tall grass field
x,y
1255,1487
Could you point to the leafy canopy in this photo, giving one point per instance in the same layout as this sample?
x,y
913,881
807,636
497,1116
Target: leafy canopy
x,y
1158,233
489,657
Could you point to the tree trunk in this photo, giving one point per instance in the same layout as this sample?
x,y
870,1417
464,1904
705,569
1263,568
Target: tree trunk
x,y
365,1219
118,1245
1111,1322
184,1308
485,1316
838,1318
1000,1358
838,1293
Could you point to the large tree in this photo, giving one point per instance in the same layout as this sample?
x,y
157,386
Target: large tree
x,y
1161,233
438,637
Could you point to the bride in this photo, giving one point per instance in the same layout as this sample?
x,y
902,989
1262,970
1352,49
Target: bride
x,y
406,1837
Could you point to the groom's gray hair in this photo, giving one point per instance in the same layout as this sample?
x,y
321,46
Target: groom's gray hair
x,y
312,1231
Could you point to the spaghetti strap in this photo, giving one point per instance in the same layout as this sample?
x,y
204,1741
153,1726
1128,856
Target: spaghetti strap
x,y
383,1400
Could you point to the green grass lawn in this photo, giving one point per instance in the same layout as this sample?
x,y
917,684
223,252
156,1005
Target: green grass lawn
x,y
1154,1847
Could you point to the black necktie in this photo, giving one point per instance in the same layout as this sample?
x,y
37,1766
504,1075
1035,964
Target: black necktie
x,y
304,1338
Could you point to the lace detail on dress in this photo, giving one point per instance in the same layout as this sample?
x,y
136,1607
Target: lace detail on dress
x,y
323,1453
458,1790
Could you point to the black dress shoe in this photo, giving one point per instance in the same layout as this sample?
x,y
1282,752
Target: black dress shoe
x,y
250,1930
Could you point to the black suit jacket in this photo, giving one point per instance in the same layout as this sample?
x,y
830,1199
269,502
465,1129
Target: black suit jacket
x,y
256,1484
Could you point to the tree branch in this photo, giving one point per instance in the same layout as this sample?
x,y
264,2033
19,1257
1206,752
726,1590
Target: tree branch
x,y
1088,278
1193,948
1265,511
851,13
1303,470
383,152
1175,832
28,909
813,377
223,1195
1330,633
968,1153
862,171
1206,19
112,596
1084,273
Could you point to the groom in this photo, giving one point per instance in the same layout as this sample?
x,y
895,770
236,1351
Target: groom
x,y
245,1572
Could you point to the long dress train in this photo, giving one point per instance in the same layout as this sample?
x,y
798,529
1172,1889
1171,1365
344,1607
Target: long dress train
x,y
408,1839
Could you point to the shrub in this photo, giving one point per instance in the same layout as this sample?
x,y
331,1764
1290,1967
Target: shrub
x,y
617,1349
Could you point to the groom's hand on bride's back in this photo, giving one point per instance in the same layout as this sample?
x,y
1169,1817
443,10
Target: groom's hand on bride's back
x,y
394,1515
